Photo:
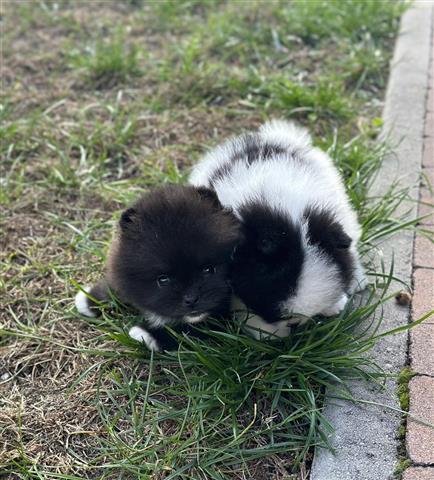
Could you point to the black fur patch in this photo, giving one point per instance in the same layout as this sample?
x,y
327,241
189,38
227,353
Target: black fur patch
x,y
255,149
268,262
209,194
326,232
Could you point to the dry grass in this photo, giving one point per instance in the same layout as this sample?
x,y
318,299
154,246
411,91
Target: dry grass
x,y
99,101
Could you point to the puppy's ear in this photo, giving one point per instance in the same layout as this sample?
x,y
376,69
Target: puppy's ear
x,y
339,238
326,231
129,220
209,194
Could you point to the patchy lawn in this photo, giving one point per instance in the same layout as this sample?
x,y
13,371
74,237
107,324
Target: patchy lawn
x,y
102,100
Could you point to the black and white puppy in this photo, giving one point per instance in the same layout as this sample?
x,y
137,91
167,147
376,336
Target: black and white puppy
x,y
298,257
170,260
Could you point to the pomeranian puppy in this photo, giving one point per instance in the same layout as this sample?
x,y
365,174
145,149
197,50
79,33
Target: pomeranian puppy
x,y
170,260
298,255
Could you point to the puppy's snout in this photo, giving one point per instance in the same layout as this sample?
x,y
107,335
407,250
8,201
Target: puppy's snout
x,y
190,299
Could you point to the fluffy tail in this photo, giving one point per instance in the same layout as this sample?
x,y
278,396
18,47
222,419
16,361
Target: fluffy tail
x,y
285,134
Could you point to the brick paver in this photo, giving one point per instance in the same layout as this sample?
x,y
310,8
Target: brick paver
x,y
422,349
420,438
419,473
426,195
423,282
429,124
427,182
430,104
426,211
428,152
428,179
423,252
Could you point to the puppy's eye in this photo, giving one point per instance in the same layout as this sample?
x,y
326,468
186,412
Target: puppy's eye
x,y
208,269
163,280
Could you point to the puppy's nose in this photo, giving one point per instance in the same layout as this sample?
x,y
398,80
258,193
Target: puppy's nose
x,y
190,299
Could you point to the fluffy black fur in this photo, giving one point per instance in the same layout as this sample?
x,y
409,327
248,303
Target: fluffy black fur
x,y
170,259
268,262
327,233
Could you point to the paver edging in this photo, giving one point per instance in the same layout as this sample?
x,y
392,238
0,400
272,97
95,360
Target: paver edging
x,y
365,439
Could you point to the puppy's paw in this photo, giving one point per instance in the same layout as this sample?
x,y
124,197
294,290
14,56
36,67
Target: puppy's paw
x,y
336,308
142,335
260,329
359,281
358,284
82,303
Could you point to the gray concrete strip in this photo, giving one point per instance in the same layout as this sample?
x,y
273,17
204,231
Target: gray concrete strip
x,y
365,438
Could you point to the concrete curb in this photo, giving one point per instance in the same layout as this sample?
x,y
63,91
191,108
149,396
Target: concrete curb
x,y
365,438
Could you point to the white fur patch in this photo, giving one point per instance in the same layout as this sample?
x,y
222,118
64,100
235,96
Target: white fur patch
x,y
359,281
336,308
318,287
142,335
155,320
260,329
286,185
256,326
82,303
285,134
196,319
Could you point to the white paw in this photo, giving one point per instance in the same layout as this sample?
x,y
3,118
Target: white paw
x,y
336,308
359,281
142,335
82,303
260,329
297,320
358,284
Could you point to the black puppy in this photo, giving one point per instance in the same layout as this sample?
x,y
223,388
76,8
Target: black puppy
x,y
170,260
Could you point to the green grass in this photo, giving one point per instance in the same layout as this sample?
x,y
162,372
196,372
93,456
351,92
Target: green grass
x,y
121,99
109,62
231,401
